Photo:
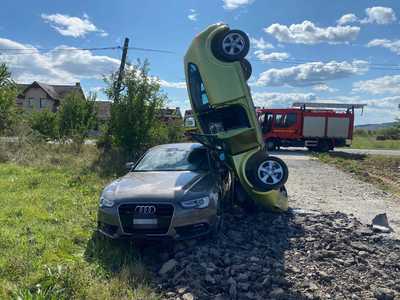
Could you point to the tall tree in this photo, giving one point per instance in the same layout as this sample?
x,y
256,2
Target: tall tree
x,y
8,94
133,118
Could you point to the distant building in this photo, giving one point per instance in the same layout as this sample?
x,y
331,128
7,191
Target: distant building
x,y
103,110
39,96
168,115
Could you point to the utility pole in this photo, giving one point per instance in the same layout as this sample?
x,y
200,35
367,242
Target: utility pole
x,y
121,70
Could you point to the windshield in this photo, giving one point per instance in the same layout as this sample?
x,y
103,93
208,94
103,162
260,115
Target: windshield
x,y
173,159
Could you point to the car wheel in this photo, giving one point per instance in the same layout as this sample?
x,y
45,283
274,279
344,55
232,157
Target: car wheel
x,y
217,227
243,199
266,172
231,45
246,67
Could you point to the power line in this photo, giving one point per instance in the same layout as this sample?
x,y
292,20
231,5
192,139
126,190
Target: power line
x,y
28,51
294,62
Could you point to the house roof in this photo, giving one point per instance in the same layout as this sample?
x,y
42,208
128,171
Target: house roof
x,y
174,113
54,91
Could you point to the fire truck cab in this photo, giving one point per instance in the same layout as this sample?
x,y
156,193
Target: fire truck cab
x,y
318,126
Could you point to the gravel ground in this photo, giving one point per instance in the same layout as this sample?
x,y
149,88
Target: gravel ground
x,y
323,248
283,256
313,185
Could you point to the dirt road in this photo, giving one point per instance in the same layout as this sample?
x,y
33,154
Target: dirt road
x,y
316,186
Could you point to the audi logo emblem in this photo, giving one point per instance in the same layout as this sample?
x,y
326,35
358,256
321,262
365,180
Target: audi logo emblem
x,y
145,209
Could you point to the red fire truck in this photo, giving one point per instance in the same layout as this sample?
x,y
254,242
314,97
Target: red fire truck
x,y
317,126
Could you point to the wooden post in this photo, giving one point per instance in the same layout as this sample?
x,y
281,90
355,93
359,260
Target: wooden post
x,y
121,70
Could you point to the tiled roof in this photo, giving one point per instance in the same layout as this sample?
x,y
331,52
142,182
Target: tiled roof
x,y
54,91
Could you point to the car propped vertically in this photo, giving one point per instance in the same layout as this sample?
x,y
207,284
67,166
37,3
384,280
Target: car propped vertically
x,y
216,74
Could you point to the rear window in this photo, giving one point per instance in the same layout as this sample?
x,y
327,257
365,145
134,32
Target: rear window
x,y
196,87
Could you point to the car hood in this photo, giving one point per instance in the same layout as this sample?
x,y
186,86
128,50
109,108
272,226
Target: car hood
x,y
166,185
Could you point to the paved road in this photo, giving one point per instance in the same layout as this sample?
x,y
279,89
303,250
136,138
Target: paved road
x,y
314,186
300,150
370,151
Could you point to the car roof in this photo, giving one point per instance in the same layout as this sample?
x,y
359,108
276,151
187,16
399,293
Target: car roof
x,y
183,146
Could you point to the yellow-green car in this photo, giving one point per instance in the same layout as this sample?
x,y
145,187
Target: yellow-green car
x,y
216,73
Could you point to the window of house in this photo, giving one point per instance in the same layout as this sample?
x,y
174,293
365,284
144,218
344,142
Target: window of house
x,y
43,103
29,102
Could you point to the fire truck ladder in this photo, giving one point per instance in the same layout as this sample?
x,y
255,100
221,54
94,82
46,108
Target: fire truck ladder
x,y
350,106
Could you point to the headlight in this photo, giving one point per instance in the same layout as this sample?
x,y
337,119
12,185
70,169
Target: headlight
x,y
196,203
104,202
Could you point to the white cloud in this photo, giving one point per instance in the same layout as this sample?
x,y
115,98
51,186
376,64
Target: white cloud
x,y
266,99
273,56
260,44
381,85
309,74
72,26
346,19
323,88
379,15
176,85
193,15
233,4
308,33
393,46
61,65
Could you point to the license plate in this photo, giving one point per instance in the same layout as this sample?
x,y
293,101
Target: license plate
x,y
144,221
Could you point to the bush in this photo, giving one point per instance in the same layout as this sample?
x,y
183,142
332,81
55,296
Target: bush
x,y
45,123
77,117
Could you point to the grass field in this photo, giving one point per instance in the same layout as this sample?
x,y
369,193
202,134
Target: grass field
x,y
370,142
48,245
377,169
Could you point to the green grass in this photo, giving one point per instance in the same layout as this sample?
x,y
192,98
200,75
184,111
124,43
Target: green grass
x,y
48,245
377,169
370,142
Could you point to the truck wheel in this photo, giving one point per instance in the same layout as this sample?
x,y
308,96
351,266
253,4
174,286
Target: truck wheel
x,y
246,67
232,45
323,146
266,172
270,145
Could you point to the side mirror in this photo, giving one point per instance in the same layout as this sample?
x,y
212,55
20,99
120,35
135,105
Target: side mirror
x,y
129,166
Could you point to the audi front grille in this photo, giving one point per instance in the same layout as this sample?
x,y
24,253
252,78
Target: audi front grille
x,y
163,214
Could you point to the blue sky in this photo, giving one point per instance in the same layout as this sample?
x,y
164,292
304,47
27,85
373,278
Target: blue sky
x,y
303,50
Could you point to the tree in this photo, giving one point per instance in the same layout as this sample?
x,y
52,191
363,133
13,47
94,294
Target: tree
x,y
133,123
8,94
76,117
45,123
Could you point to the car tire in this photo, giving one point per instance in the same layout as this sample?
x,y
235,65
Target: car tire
x,y
230,45
247,69
217,227
243,199
266,172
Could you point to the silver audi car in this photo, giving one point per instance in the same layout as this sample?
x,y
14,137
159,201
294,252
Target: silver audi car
x,y
175,191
